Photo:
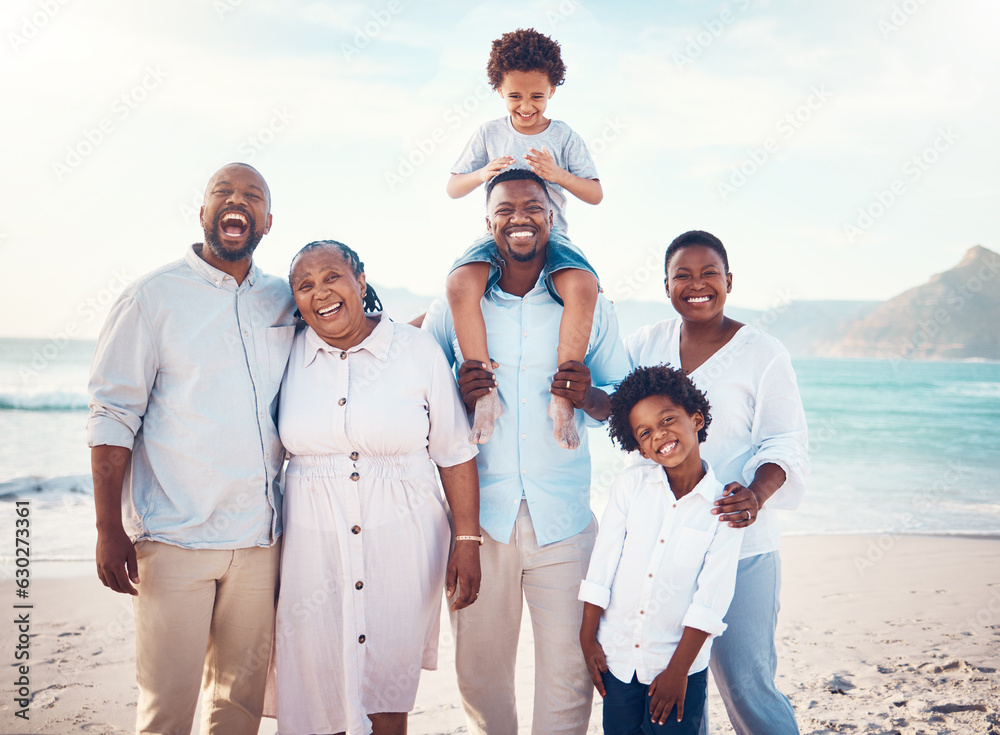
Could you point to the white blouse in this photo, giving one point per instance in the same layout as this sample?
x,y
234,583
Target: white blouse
x,y
757,415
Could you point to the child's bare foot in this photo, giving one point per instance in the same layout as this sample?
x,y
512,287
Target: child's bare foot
x,y
561,413
488,410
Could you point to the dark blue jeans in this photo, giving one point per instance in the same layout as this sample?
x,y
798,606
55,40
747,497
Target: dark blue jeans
x,y
626,708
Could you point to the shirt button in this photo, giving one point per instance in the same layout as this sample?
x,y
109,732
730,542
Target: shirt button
x,y
246,334
354,455
524,472
355,476
357,529
524,436
662,541
524,400
524,368
650,576
636,645
359,585
361,639
343,355
342,402
641,612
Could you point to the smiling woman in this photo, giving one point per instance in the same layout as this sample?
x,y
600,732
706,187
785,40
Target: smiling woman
x,y
756,446
367,409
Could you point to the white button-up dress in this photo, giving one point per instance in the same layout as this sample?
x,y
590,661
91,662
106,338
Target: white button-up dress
x,y
366,532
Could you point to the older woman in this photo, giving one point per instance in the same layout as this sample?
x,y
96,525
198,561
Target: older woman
x,y
757,446
368,408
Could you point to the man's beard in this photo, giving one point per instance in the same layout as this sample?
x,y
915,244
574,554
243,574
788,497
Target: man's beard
x,y
522,257
221,251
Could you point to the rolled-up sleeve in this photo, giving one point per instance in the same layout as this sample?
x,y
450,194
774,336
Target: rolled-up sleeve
x,y
121,375
448,439
716,582
596,588
779,434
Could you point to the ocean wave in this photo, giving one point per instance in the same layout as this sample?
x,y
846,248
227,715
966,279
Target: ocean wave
x,y
982,389
51,400
33,487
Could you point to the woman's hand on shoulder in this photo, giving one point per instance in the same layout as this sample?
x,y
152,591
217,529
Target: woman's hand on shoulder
x,y
738,506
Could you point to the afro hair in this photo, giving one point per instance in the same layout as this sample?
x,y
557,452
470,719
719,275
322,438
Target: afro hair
x,y
525,50
658,380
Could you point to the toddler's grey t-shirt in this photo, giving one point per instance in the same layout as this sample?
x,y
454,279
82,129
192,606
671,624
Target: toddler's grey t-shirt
x,y
499,138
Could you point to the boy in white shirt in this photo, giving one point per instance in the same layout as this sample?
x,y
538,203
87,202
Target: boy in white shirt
x,y
663,569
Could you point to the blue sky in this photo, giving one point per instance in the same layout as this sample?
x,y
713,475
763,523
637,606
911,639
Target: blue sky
x,y
840,150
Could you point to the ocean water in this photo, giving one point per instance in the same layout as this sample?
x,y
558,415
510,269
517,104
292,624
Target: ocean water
x,y
895,447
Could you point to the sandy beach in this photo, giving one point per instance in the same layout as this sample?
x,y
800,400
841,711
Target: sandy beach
x,y
878,634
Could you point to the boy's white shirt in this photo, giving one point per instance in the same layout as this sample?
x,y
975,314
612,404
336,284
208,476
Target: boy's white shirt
x,y
659,565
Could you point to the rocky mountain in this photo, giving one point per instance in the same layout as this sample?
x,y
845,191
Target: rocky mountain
x,y
955,315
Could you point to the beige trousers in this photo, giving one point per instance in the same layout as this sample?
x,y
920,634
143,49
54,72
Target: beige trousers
x,y
548,578
203,617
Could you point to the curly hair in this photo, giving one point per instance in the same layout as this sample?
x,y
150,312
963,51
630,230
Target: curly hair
x,y
372,301
657,380
525,50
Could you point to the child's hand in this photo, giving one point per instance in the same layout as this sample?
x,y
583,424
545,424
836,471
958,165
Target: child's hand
x,y
593,654
494,167
544,164
666,691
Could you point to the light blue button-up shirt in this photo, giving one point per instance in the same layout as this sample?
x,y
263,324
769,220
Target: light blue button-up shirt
x,y
186,375
522,458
